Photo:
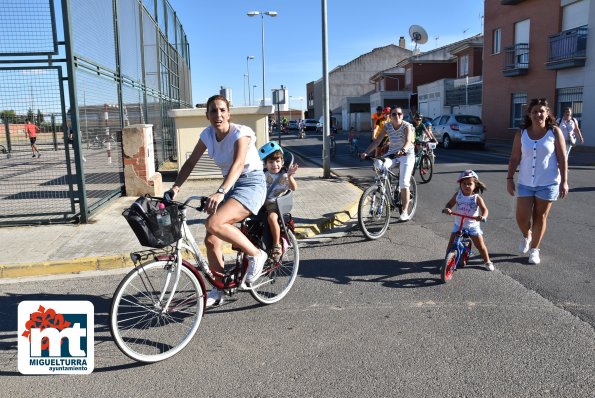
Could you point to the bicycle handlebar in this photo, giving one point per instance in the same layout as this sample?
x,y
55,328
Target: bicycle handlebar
x,y
463,216
168,200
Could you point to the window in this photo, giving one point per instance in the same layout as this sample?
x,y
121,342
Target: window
x,y
519,102
464,66
496,41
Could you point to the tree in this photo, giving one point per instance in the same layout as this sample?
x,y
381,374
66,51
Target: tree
x,y
8,115
39,118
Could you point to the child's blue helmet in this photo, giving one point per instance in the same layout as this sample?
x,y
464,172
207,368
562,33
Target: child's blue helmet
x,y
269,148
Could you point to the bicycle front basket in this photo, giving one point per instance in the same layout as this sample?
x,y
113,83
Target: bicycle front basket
x,y
154,227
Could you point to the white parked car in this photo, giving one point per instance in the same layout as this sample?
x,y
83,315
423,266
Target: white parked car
x,y
310,124
451,129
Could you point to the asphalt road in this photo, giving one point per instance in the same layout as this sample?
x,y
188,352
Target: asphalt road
x,y
566,274
371,318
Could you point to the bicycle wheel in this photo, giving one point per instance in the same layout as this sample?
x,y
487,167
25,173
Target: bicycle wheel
x,y
416,165
277,277
449,266
141,327
465,255
373,213
426,168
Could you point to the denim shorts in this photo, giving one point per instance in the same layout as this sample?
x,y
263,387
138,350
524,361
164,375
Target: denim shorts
x,y
545,192
250,190
473,231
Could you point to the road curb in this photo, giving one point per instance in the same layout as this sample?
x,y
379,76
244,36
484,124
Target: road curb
x,y
72,266
337,219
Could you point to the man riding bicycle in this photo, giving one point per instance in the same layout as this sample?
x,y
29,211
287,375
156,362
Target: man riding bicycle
x,y
422,133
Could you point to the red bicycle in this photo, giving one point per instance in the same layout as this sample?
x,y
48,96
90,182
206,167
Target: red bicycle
x,y
458,254
158,306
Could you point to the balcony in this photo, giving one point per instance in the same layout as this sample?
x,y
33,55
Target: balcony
x,y
568,49
516,60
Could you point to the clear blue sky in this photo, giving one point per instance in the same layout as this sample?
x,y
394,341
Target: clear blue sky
x,y
221,36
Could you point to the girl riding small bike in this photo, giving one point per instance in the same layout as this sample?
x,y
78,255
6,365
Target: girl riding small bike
x,y
469,202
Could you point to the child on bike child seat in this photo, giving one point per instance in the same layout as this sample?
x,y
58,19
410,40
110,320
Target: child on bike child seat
x,y
279,180
469,202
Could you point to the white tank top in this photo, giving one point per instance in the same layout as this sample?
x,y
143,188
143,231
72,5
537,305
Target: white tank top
x,y
397,137
539,164
467,205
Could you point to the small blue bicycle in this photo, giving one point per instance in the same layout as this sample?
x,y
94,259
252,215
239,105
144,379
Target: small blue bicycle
x,y
459,252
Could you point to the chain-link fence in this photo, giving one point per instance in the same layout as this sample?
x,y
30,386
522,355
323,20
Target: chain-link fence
x,y
80,71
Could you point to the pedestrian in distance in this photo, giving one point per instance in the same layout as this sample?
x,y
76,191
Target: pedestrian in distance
x,y
242,192
352,138
31,130
539,152
279,179
468,201
401,137
571,130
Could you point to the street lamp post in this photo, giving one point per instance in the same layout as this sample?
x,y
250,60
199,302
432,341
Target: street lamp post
x,y
253,87
248,58
245,75
289,106
262,14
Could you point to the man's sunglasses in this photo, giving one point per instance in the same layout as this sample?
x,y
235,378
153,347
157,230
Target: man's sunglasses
x,y
397,113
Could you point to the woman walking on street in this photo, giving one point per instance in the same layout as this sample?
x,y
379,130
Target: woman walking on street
x,y
539,151
569,126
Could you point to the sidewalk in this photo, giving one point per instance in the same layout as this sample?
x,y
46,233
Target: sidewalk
x,y
106,241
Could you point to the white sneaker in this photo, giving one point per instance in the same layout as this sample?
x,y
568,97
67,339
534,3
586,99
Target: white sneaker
x,y
489,266
525,244
534,256
215,297
404,216
255,264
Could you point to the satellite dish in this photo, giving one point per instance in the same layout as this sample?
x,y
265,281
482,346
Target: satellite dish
x,y
418,35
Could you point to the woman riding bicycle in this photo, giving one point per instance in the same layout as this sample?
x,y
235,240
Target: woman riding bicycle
x,y
401,137
242,192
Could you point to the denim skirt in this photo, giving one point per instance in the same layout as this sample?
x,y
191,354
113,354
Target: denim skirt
x,y
250,190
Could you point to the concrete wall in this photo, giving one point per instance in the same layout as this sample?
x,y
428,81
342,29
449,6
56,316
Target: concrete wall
x,y
191,122
588,118
353,78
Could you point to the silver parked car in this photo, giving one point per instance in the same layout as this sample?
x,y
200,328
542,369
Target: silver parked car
x,y
450,129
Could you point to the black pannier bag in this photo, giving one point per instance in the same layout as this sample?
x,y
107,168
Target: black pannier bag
x,y
154,227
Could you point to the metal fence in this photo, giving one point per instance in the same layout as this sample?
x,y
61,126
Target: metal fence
x,y
463,92
81,71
